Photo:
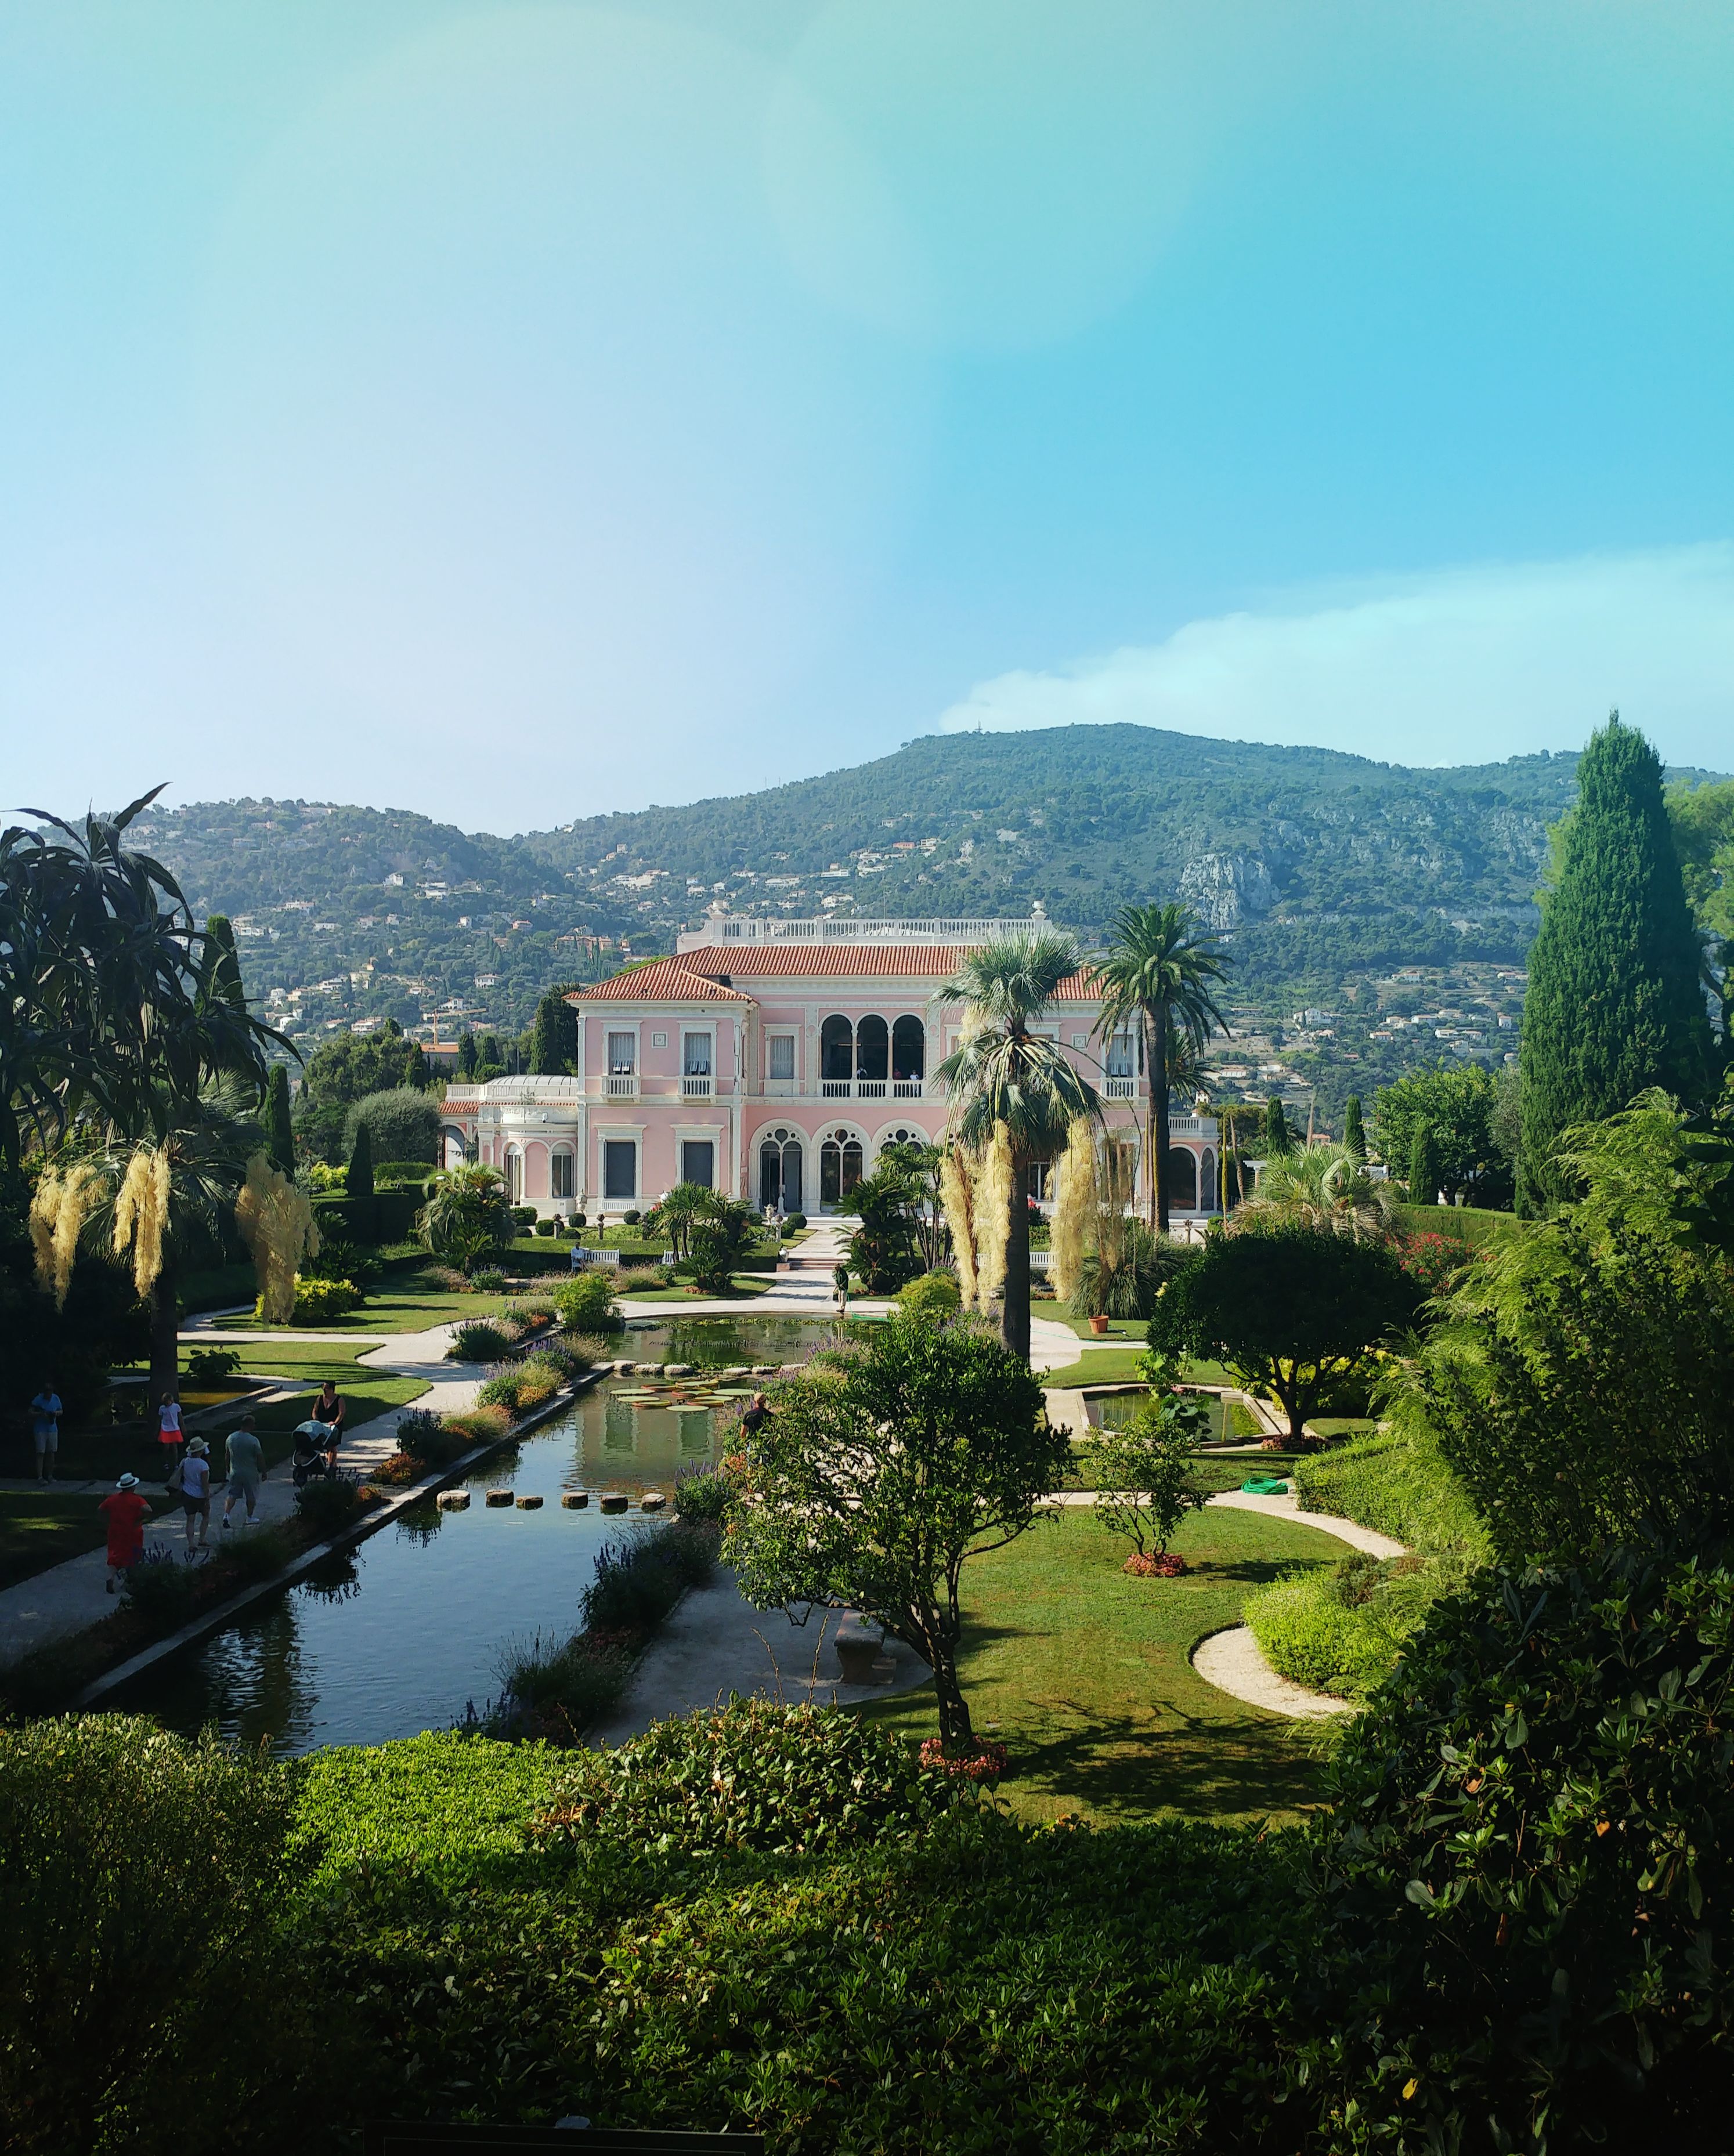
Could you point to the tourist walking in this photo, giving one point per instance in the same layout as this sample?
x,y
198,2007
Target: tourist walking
x,y
169,1432
245,1463
329,1409
840,1280
757,1415
196,1493
45,1414
125,1512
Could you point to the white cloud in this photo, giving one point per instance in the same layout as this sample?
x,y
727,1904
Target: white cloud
x,y
1466,665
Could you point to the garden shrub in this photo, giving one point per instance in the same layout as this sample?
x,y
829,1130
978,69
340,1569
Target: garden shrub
x,y
318,1301
1528,1878
486,1279
205,1363
399,1471
477,1340
260,1555
1399,1485
161,1588
429,1437
704,1493
641,1575
548,1227
1342,1627
478,1425
142,1879
328,1504
554,1694
403,1126
935,1297
793,1224
755,1774
499,1389
586,1304
524,1216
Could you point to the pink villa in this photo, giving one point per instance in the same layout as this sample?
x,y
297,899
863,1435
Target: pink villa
x,y
772,1060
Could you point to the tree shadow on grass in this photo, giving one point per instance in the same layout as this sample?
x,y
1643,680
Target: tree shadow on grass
x,y
1128,1766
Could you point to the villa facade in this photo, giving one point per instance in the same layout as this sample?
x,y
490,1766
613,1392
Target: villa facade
x,y
774,1059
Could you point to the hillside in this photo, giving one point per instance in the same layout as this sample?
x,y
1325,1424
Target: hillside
x,y
1315,867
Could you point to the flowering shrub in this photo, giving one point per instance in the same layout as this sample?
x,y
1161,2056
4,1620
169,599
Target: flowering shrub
x,y
987,1763
1159,1564
479,1425
318,1302
1434,1260
402,1467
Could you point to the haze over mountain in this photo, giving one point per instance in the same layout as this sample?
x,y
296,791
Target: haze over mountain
x,y
1311,864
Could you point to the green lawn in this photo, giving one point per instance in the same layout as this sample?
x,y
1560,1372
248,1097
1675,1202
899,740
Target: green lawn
x,y
1221,1471
37,1532
1119,1366
1084,1674
1119,1328
745,1286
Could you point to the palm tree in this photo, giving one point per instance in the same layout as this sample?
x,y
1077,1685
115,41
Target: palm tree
x,y
468,1216
1160,966
1003,1078
1322,1186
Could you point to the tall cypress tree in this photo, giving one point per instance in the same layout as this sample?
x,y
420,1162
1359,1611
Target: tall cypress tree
x,y
279,1129
1423,1167
554,1036
359,1181
224,960
467,1057
1354,1130
1614,1003
1278,1138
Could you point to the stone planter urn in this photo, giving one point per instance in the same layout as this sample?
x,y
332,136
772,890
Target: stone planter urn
x,y
857,1653
1099,1326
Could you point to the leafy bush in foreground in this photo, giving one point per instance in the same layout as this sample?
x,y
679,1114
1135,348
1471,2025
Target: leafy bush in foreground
x,y
141,1879
477,1340
755,1774
1528,1883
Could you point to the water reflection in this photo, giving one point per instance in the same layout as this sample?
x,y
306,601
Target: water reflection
x,y
397,1635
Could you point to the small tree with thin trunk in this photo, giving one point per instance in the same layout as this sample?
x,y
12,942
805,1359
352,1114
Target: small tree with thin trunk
x,y
881,1471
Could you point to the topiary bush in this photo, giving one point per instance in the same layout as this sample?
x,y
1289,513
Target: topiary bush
x,y
1527,1883
143,1879
319,1301
755,1774
793,1224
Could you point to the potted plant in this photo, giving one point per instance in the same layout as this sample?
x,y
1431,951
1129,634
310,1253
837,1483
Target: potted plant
x,y
1099,1324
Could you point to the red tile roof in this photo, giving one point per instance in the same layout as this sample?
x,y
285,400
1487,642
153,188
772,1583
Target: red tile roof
x,y
664,981
761,962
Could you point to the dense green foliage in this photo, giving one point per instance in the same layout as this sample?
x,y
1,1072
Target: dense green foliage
x,y
1454,1105
402,1125
1614,1004
358,1182
277,1121
1340,1629
466,1220
1296,1311
1354,1128
882,1470
586,1303
935,1297
1702,818
1526,1884
1399,1485
553,1035
346,1069
144,2000
1422,1178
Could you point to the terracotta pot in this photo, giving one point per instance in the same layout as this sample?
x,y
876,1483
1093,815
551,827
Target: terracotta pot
x,y
1099,1326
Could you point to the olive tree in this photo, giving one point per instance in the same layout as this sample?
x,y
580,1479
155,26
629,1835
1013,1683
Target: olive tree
x,y
881,1471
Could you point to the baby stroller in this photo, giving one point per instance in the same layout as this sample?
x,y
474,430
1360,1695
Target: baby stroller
x,y
311,1458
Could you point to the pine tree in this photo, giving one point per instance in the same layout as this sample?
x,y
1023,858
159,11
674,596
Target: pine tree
x,y
1354,1131
360,1180
1614,1003
554,1036
1423,1167
279,1130
1278,1138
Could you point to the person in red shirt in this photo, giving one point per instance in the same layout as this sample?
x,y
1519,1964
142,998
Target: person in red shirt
x,y
126,1513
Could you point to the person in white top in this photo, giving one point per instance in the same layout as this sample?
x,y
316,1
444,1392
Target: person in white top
x,y
195,1473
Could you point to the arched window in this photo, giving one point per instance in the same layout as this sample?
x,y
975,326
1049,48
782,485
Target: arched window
x,y
514,1176
837,1052
1182,1179
908,1057
872,1053
839,1166
779,1171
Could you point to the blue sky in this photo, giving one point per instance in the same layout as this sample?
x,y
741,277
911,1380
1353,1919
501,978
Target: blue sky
x,y
517,412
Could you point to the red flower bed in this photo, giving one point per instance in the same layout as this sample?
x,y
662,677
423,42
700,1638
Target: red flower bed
x,y
1164,1565
986,1765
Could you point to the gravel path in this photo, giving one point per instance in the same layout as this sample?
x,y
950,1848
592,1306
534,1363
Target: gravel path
x,y
1233,1662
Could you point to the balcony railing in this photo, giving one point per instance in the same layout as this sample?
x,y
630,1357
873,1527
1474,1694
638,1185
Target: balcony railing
x,y
869,1089
1120,1089
696,1086
622,1085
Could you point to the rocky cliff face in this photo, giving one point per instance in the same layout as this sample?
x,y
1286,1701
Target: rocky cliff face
x,y
1228,888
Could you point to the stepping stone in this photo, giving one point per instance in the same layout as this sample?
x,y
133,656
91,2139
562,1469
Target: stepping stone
x,y
499,1497
454,1500
530,1504
652,1501
575,1500
623,1369
678,1369
615,1502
